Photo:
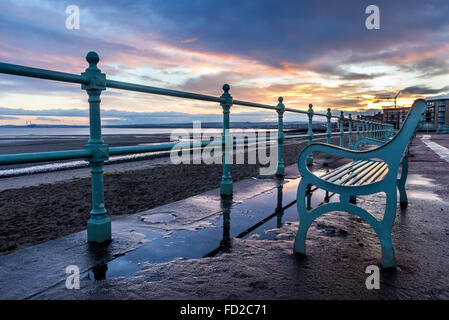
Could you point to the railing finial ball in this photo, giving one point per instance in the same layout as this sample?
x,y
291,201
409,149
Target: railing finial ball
x,y
280,99
93,58
310,106
226,87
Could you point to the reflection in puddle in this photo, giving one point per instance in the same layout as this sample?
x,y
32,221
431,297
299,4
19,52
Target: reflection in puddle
x,y
255,216
99,271
158,218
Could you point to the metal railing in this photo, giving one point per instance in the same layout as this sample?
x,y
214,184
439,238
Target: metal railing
x,y
96,152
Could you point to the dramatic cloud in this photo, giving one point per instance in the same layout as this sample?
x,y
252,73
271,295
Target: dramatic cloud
x,y
306,51
423,90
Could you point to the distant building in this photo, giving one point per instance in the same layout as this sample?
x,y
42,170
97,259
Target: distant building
x,y
436,115
375,117
395,116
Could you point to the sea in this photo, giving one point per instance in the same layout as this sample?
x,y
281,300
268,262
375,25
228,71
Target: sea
x,y
9,135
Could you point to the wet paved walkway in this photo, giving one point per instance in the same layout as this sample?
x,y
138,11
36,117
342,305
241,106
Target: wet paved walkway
x,y
443,152
249,242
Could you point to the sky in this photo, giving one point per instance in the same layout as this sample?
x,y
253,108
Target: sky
x,y
317,52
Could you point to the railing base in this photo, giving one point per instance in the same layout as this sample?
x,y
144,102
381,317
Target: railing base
x,y
99,230
226,188
280,172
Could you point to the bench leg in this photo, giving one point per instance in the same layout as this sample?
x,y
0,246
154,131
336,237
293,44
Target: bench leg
x,y
401,182
382,228
388,256
384,233
300,239
304,223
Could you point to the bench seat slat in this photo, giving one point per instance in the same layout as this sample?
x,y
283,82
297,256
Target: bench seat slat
x,y
378,175
350,174
357,173
349,169
339,169
360,175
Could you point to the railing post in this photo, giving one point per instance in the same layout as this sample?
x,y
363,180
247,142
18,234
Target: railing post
x,y
379,130
342,117
374,129
99,225
309,160
370,129
358,128
382,128
363,126
328,130
226,180
280,110
350,131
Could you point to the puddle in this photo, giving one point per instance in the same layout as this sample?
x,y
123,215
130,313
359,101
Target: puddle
x,y
256,216
419,180
423,195
158,218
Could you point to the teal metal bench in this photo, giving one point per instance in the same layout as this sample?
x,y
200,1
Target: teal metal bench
x,y
370,172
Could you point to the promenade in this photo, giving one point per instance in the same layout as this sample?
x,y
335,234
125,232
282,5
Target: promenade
x,y
203,247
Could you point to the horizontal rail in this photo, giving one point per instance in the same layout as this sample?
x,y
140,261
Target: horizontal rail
x,y
44,156
42,73
160,91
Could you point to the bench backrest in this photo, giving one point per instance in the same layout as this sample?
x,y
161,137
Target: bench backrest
x,y
401,140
